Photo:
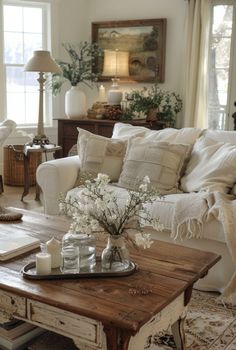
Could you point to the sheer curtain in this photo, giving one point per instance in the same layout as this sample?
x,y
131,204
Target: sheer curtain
x,y
196,64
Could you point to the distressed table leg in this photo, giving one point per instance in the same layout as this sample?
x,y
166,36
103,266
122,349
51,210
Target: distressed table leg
x,y
178,333
117,339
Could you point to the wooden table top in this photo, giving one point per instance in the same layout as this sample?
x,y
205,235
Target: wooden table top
x,y
164,272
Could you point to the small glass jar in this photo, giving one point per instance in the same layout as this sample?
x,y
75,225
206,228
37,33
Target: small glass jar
x,y
86,245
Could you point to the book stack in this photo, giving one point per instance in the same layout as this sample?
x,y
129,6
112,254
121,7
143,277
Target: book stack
x,y
15,335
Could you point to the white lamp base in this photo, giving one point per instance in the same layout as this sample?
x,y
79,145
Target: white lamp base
x,y
114,95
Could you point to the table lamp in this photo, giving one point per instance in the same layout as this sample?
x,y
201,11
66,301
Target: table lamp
x,y
116,64
41,62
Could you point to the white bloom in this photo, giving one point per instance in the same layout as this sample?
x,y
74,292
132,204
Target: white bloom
x,y
102,179
146,180
157,226
143,240
84,192
94,225
61,207
143,187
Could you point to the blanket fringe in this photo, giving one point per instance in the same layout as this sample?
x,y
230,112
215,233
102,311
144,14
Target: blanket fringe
x,y
189,228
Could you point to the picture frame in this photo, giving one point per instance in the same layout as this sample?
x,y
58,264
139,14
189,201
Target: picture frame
x,y
145,39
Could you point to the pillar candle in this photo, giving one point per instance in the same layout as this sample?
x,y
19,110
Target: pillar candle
x,y
54,248
43,263
102,94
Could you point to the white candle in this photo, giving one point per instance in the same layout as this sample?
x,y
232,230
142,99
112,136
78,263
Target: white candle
x,y
43,263
102,94
54,248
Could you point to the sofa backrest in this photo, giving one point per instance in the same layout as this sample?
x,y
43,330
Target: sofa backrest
x,y
184,135
220,135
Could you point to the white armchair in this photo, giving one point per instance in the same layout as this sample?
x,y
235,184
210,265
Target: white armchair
x,y
55,177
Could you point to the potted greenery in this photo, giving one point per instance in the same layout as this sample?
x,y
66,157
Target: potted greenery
x,y
155,103
78,70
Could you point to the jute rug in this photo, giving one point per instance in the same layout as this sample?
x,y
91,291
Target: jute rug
x,y
209,326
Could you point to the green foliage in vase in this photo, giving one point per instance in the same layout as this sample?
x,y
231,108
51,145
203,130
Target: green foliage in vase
x,y
167,104
80,68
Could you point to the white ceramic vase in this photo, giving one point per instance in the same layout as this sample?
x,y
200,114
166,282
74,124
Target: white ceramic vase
x,y
75,103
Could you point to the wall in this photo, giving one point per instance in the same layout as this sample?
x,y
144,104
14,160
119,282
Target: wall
x,y
72,19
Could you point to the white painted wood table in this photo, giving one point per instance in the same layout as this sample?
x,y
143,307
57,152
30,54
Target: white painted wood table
x,y
118,313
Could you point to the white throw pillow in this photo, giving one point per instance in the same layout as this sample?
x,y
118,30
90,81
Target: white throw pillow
x,y
125,131
183,136
161,161
212,167
100,154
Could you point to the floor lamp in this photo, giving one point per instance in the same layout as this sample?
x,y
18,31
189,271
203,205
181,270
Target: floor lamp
x,y
116,64
41,62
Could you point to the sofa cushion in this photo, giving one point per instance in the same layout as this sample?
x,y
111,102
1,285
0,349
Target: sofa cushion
x,y
125,131
100,154
161,161
212,166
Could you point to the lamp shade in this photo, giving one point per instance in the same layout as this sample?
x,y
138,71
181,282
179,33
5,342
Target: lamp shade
x,y
42,62
116,63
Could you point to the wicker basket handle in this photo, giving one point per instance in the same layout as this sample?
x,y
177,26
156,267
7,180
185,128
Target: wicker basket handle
x,y
18,153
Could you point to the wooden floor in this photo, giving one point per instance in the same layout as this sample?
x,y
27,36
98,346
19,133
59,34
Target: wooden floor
x,y
11,197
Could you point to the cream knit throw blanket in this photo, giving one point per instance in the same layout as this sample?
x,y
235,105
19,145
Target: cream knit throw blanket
x,y
192,212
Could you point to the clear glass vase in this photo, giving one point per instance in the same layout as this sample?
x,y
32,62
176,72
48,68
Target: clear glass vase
x,y
86,245
115,256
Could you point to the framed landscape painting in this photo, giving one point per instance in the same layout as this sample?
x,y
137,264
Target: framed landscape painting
x,y
145,40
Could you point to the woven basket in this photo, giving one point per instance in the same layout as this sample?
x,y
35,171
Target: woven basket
x,y
14,165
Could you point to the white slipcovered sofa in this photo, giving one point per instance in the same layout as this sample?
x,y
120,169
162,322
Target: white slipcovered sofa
x,y
181,164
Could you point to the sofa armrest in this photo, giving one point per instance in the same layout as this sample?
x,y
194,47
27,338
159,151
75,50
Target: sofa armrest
x,y
54,177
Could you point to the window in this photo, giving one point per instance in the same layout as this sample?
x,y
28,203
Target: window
x,y
220,61
27,32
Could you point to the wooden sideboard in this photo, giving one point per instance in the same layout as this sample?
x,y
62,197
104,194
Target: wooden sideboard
x,y
67,129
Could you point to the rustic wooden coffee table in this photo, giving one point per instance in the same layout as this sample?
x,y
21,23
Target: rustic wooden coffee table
x,y
116,313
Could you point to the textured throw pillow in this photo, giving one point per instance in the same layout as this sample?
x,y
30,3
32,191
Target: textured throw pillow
x,y
212,167
161,161
100,154
125,131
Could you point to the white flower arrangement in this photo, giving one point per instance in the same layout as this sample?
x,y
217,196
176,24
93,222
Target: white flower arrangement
x,y
98,209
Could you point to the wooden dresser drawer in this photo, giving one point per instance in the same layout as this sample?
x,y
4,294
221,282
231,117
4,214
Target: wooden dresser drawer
x,y
12,304
88,331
